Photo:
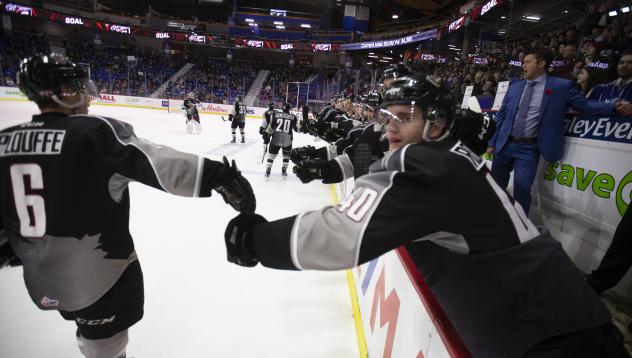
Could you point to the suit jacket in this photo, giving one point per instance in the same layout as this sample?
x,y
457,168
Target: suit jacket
x,y
559,94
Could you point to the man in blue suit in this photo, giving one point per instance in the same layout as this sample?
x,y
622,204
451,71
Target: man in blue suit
x,y
530,122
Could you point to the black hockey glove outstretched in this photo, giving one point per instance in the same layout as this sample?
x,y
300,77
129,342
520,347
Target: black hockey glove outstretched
x,y
302,153
238,239
310,169
234,188
7,256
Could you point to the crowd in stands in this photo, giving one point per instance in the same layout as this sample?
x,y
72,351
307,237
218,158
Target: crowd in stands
x,y
585,51
120,71
214,80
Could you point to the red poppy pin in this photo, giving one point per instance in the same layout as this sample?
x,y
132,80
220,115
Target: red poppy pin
x,y
548,91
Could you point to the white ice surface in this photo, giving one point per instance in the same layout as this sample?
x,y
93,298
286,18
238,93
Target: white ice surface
x,y
197,304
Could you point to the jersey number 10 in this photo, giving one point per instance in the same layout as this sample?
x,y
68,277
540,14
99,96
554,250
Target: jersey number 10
x,y
30,208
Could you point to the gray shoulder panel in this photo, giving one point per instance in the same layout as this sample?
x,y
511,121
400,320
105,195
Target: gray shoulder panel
x,y
177,172
331,238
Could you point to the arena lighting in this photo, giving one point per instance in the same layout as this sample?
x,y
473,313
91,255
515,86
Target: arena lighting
x,y
249,20
278,22
395,16
373,56
625,9
566,11
307,26
387,58
371,53
280,27
384,61
503,17
612,13
531,18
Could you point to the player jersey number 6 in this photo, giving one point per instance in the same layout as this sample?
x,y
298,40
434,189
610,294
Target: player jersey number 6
x,y
30,208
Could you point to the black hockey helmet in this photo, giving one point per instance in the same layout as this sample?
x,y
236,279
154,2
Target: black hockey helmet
x,y
287,106
437,104
373,99
43,78
270,105
390,73
396,70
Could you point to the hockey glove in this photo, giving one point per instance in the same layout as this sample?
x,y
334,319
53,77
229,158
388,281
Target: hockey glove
x,y
302,153
234,188
230,117
7,256
308,170
262,130
238,238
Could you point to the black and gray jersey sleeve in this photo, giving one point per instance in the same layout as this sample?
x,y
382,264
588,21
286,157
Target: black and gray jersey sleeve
x,y
136,159
415,194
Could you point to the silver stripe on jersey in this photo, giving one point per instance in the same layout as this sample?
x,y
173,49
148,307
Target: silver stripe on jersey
x,y
346,166
117,185
198,178
525,229
177,172
332,152
453,242
402,156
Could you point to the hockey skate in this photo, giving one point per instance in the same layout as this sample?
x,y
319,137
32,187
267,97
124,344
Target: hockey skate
x,y
189,128
284,172
234,140
268,170
243,140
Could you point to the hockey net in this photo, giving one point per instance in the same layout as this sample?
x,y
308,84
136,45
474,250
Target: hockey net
x,y
175,106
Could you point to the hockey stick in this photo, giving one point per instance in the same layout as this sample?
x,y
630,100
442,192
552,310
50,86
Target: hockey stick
x,y
264,154
224,119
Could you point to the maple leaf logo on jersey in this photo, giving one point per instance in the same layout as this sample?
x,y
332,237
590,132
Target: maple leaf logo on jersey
x,y
49,302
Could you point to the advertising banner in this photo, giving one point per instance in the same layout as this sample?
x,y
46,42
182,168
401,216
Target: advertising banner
x,y
593,181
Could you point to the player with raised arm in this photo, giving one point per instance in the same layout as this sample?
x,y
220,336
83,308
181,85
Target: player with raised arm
x,y
508,289
238,119
64,208
281,129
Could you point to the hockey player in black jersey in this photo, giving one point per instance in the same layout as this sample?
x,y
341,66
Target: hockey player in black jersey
x,y
238,119
281,130
189,106
348,157
265,122
508,289
64,207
